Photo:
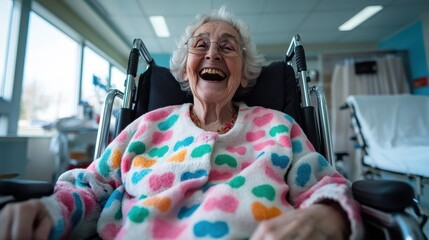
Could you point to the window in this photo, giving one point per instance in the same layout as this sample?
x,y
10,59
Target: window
x,y
95,79
5,20
117,79
50,82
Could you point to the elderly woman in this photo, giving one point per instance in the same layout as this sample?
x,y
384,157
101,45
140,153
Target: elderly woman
x,y
211,169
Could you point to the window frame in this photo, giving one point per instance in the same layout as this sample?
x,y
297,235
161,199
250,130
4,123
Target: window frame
x,y
10,102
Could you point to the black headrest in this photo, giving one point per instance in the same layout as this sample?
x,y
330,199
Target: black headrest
x,y
276,89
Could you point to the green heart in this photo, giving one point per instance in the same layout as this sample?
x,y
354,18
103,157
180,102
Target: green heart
x,y
165,125
138,214
137,147
237,182
158,152
264,191
226,159
201,150
118,214
278,129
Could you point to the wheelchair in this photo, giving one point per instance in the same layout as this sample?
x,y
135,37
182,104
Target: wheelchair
x,y
389,209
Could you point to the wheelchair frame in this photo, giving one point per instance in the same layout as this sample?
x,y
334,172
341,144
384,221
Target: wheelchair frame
x,y
395,222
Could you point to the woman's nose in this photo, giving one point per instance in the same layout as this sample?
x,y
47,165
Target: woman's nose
x,y
213,52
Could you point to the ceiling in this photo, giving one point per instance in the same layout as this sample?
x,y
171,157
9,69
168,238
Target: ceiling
x,y
272,23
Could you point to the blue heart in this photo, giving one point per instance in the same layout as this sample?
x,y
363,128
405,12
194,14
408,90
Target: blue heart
x,y
137,176
289,118
296,147
189,175
215,230
116,195
279,160
185,212
322,163
303,174
185,142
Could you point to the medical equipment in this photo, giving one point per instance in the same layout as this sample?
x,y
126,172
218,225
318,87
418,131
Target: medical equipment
x,y
392,133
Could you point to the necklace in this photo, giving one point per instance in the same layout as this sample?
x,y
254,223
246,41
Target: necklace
x,y
223,129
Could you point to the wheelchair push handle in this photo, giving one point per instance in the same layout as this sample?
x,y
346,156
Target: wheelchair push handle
x,y
296,49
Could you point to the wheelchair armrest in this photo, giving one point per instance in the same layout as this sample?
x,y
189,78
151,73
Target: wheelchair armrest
x,y
385,195
22,189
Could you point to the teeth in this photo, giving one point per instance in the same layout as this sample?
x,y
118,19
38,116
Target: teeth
x,y
213,71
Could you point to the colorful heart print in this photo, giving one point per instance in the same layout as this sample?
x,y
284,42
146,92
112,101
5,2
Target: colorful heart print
x,y
263,120
211,229
225,203
168,123
164,181
264,191
261,212
225,159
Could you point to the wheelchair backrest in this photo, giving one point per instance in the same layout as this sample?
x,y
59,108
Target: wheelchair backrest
x,y
276,89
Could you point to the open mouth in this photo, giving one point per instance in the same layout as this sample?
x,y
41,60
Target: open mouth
x,y
211,74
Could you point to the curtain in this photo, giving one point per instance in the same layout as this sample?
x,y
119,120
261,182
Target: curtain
x,y
389,78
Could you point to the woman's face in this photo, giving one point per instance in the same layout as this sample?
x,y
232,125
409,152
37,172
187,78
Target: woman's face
x,y
215,62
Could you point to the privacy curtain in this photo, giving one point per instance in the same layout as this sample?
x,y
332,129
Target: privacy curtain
x,y
388,78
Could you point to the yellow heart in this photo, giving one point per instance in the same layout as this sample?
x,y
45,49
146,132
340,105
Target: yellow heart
x,y
260,212
140,161
178,157
161,203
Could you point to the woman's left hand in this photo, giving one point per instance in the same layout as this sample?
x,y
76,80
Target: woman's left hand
x,y
318,221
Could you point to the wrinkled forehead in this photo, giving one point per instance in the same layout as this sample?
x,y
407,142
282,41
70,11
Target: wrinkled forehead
x,y
217,30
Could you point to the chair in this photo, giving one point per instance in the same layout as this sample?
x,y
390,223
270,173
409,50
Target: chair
x,y
292,95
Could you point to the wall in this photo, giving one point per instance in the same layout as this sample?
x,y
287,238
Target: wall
x,y
162,59
412,40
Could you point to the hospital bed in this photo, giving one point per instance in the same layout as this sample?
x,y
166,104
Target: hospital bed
x,y
392,134
279,87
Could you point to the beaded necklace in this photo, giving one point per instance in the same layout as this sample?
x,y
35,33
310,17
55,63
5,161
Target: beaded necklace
x,y
223,129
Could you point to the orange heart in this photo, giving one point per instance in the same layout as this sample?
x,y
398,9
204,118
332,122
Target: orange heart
x,y
116,158
161,203
140,161
178,157
260,212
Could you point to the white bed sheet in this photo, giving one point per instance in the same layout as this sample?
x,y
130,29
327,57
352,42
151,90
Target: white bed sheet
x,y
396,130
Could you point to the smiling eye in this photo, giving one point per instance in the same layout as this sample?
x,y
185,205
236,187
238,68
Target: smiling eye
x,y
227,46
200,44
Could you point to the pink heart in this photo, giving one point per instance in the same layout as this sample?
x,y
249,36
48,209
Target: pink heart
x,y
165,230
226,203
110,230
157,115
263,120
253,136
122,136
309,145
240,150
285,141
142,128
245,165
161,182
218,175
272,174
262,145
159,137
295,132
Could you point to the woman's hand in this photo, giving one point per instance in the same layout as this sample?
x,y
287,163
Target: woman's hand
x,y
25,220
318,221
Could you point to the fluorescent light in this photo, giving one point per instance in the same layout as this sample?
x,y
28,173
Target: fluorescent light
x,y
359,18
160,26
